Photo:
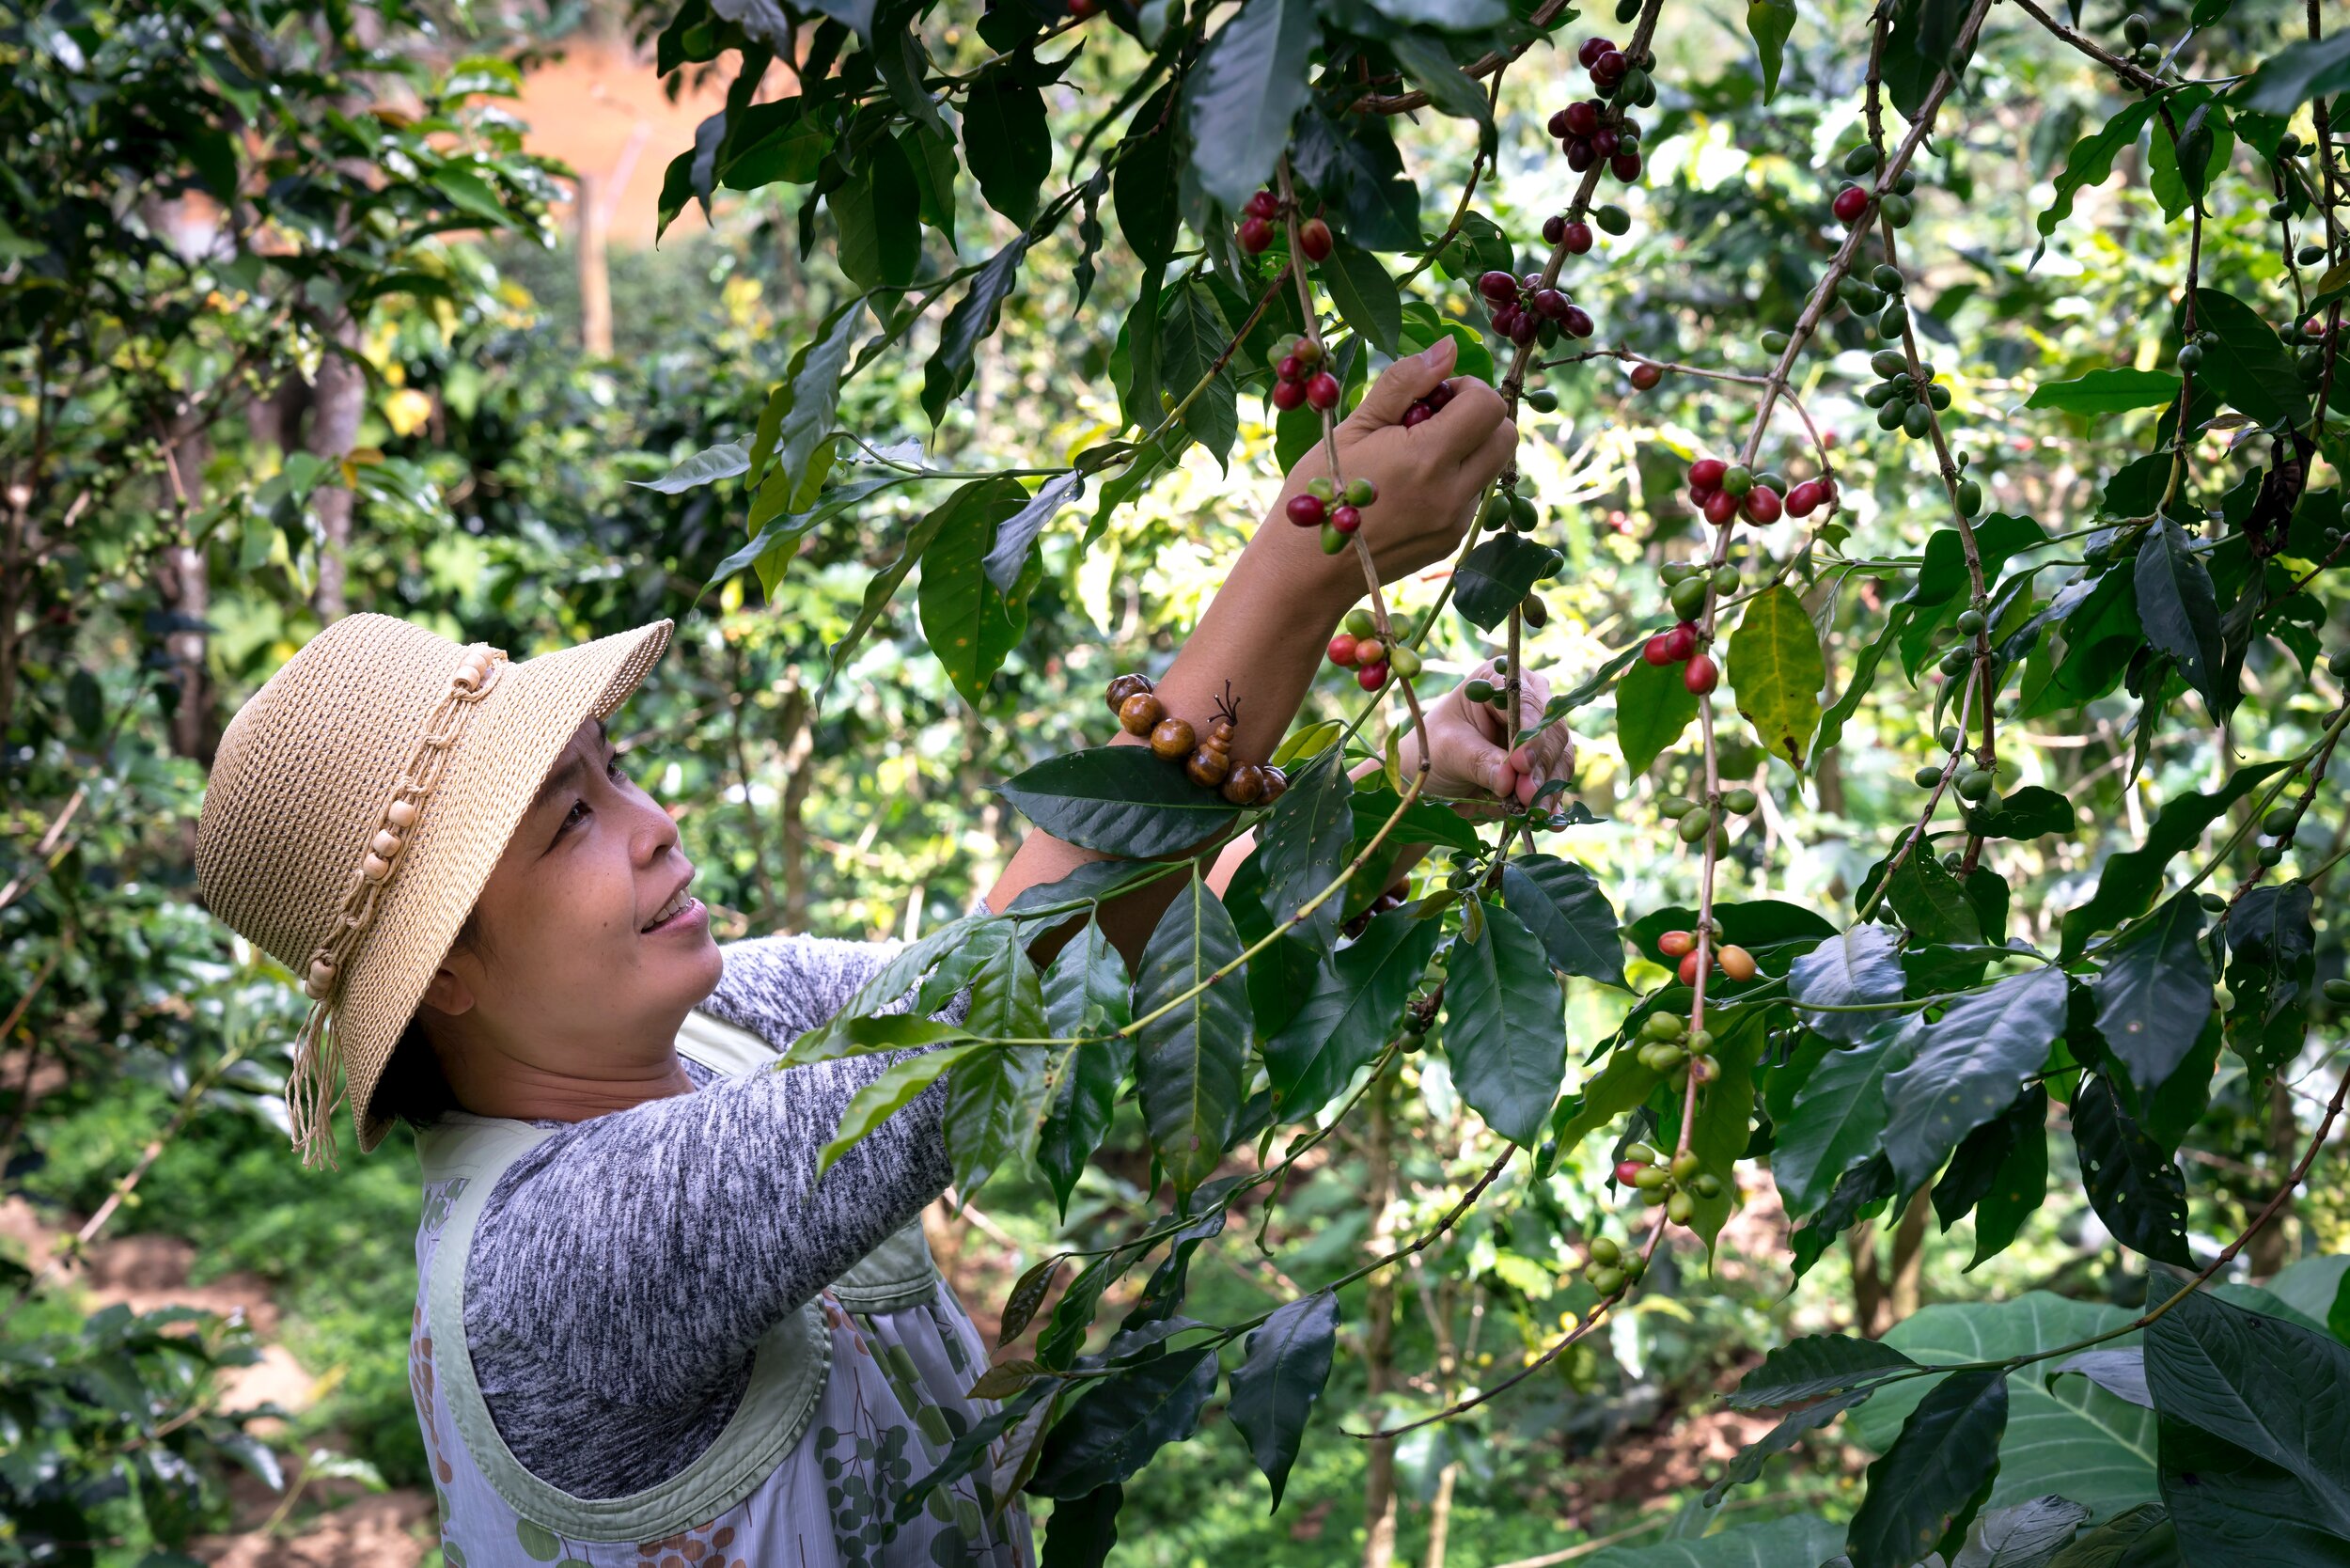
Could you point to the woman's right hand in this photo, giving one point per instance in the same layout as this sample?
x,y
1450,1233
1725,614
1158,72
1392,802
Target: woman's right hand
x,y
1429,476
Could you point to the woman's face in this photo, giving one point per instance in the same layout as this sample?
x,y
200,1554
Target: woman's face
x,y
589,949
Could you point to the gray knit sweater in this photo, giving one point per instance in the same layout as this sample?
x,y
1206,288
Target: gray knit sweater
x,y
624,1269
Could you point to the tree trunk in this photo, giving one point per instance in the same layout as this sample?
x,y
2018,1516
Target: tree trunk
x,y
2272,1248
184,588
763,874
1440,1514
1909,1262
1379,1337
793,737
338,399
1868,1281
595,278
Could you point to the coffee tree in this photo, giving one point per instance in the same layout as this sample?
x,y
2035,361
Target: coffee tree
x,y
1909,1045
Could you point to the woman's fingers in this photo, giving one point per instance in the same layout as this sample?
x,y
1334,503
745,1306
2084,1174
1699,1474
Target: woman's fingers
x,y
1482,464
1406,382
1466,427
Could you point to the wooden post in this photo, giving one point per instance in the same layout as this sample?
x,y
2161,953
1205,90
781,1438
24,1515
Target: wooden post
x,y
595,280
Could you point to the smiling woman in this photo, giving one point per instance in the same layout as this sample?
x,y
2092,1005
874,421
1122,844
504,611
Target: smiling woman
x,y
649,1310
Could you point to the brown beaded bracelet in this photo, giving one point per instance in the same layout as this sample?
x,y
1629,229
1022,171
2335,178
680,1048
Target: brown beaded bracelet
x,y
1207,758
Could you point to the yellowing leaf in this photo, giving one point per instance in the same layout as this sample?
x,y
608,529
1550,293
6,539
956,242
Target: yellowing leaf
x,y
1776,673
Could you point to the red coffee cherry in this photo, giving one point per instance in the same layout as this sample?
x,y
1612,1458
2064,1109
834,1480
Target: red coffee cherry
x,y
1737,963
1658,651
1323,391
1560,127
1580,156
1610,66
1605,142
1850,203
1581,117
1264,204
1706,473
1720,507
1289,394
1525,326
1577,321
1550,303
1342,648
1803,499
1701,675
1346,519
1588,56
1689,969
1306,511
1372,677
1645,376
1625,167
1255,235
1762,505
1419,414
1554,228
1497,287
1578,237
1680,640
1313,238
1628,1171
1083,8
1673,943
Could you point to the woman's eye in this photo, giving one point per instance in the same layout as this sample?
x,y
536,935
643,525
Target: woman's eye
x,y
577,814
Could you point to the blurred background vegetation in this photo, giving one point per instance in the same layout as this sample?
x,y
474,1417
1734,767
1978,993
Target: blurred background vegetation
x,y
342,363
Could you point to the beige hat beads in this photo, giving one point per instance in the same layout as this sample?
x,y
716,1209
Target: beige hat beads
x,y
356,806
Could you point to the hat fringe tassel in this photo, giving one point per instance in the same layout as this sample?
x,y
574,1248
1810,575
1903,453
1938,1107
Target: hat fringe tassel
x,y
314,1089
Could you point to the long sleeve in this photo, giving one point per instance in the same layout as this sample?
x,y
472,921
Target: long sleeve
x,y
624,1269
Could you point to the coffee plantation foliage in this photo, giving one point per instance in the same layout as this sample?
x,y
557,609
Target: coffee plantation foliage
x,y
2024,935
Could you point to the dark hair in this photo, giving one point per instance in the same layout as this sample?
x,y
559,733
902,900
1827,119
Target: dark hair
x,y
414,1088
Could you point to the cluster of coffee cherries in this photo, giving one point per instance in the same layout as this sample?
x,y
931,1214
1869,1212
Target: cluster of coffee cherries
x,y
1725,492
1684,586
1676,1182
1494,693
1614,74
1905,399
1852,203
1592,130
1255,233
1526,310
1427,408
1692,820
1609,1267
1878,295
1207,758
1735,962
1969,778
1337,510
1298,378
1356,646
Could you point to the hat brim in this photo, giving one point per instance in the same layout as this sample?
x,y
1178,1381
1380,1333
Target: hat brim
x,y
514,739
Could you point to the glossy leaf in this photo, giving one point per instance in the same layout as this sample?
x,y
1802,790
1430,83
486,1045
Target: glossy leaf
x,y
1791,1430
971,322
1839,1115
1981,1155
1934,1477
1275,1390
1083,1530
2132,1183
707,467
2180,610
1450,90
1084,991
1119,800
1190,1062
1005,142
1969,1067
1851,968
2114,389
1244,94
1814,1365
1562,905
1653,707
1365,295
879,212
1769,23
1504,1025
969,625
2127,884
2271,975
2091,162
1794,1538
2020,1183
2298,72
2030,812
1303,843
2154,994
1776,672
1497,575
888,1094
792,455
1107,1436
1352,1012
1143,187
1009,558
1931,902
2250,366
2024,1536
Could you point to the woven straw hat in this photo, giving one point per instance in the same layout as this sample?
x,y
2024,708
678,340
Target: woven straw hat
x,y
356,806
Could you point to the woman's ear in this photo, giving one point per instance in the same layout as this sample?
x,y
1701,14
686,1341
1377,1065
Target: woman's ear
x,y
448,993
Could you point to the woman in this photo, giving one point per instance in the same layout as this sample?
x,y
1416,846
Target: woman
x,y
640,1337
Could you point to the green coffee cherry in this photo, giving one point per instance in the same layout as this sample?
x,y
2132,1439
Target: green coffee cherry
x,y
1522,514
1688,597
1970,622
1861,160
2337,990
2136,31
1895,321
1887,277
1607,1281
1322,489
1360,622
1605,1253
1725,578
1970,498
2280,822
1737,479
2271,854
1652,1177
1974,787
1542,401
1916,420
1708,1186
1494,513
1949,736
1613,220
1537,614
1675,806
1956,660
1477,691
1927,776
1739,802
2213,904
1897,209
1674,571
1775,342
2191,358
1681,1208
1702,1043
1890,363
1889,417
1403,662
1905,181
1694,826
1663,1026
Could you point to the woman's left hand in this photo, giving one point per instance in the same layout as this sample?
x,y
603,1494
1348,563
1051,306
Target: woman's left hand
x,y
1466,742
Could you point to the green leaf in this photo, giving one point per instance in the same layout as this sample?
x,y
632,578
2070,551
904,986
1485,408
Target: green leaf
x,y
2089,162
471,193
878,1101
1192,334
1352,1012
1931,902
1504,1025
1007,141
2179,175
1119,800
1190,1062
1838,1118
1776,673
2020,1183
968,324
2250,366
1798,1538
793,452
2127,884
2271,975
1653,707
2030,812
2280,1396
707,467
1497,575
1769,23
1365,295
1974,1169
879,211
2297,73
1424,823
1008,559
2065,1433
1621,1084
1130,1414
1086,993
1274,1390
1303,841
1245,92
1723,1126
1850,969
2180,611
2154,994
1773,929
1748,1464
930,154
2140,1537
969,626
1450,90
1083,1530
2116,389
2132,1183
1814,1365
1969,1067
1864,674
1933,1479
995,1100
1563,904
1145,185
